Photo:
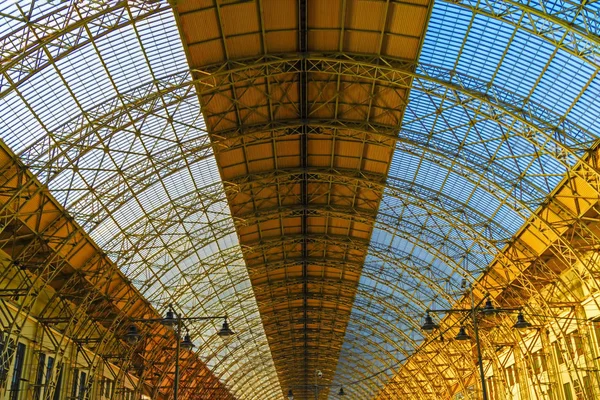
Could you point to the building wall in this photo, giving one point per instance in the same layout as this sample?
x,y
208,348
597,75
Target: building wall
x,y
54,367
558,358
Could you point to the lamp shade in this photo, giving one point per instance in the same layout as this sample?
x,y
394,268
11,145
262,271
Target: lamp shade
x,y
132,336
521,323
429,325
169,319
225,331
462,334
186,343
488,308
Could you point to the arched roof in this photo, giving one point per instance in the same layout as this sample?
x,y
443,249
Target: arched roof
x,y
322,172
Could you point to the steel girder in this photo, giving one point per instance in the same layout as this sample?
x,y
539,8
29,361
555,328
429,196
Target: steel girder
x,y
57,254
568,25
526,130
81,149
422,196
38,42
584,171
550,132
448,210
238,255
572,27
506,106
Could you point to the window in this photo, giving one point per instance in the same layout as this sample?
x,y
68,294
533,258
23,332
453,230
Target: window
x,y
79,389
58,387
75,382
39,377
15,385
559,354
578,343
128,394
535,359
45,385
48,377
578,390
587,387
543,361
7,350
82,387
109,388
106,388
509,375
568,393
539,362
490,388
596,325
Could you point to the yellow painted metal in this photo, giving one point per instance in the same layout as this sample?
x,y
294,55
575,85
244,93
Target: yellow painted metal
x,y
305,306
91,300
247,77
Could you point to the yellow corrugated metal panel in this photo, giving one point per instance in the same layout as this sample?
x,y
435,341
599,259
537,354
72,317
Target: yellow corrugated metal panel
x,y
324,14
365,15
406,20
201,26
240,19
296,208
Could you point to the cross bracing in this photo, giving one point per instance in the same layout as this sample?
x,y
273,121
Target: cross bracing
x,y
474,148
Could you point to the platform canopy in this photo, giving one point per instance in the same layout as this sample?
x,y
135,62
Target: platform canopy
x,y
320,171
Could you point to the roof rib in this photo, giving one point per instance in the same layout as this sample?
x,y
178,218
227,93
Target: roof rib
x,y
266,71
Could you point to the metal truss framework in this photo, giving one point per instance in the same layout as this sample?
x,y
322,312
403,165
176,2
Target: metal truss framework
x,y
555,237
91,302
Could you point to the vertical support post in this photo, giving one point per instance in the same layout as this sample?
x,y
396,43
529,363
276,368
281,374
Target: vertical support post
x,y
303,114
479,357
178,334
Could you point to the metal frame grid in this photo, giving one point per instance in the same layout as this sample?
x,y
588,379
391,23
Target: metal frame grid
x,y
73,74
492,125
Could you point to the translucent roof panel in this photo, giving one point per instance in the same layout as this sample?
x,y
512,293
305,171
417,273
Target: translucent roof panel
x,y
114,128
97,100
468,170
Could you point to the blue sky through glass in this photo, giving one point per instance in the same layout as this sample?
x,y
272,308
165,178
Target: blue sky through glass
x,y
105,127
466,175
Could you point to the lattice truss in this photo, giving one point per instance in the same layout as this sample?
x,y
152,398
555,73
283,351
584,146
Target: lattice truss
x,y
106,145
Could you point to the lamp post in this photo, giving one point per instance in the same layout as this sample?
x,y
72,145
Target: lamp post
x,y
290,394
487,309
318,374
174,320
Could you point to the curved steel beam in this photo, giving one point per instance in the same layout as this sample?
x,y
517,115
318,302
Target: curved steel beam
x,y
455,82
411,192
22,49
559,28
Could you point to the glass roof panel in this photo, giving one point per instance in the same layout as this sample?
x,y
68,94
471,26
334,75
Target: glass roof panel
x,y
485,46
466,173
447,27
525,58
562,82
127,152
124,58
136,168
585,112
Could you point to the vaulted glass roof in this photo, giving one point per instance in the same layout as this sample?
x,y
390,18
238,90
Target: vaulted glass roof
x,y
106,129
98,101
464,177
